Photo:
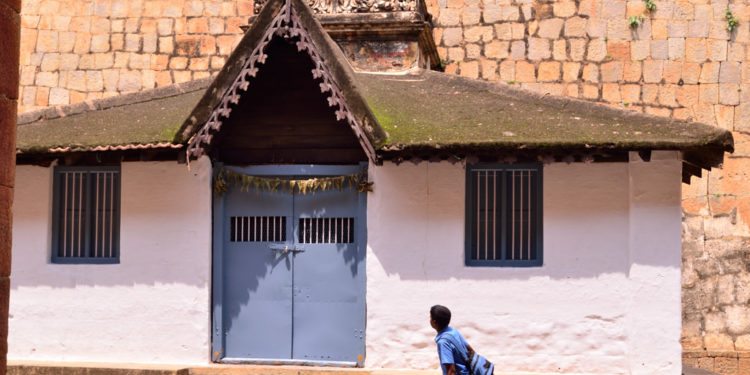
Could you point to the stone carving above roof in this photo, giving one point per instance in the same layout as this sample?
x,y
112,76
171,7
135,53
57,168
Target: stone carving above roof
x,y
354,6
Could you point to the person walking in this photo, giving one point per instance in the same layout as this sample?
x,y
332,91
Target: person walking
x,y
453,350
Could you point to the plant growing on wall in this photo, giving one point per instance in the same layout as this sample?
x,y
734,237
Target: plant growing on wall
x,y
650,5
732,21
635,21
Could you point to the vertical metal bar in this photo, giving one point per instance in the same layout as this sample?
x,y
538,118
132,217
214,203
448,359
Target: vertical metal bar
x,y
504,215
513,216
528,216
521,222
111,213
328,231
494,214
65,215
80,212
103,219
486,212
95,247
478,215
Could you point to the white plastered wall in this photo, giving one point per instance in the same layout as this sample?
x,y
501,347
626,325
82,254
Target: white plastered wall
x,y
606,301
153,307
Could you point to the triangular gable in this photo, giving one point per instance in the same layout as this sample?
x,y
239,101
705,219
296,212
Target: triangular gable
x,y
277,19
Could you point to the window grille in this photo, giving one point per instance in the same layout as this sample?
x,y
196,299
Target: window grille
x,y
257,228
504,216
326,230
86,215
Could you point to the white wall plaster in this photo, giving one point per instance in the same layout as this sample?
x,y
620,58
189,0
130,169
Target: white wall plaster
x,y
153,307
606,300
582,312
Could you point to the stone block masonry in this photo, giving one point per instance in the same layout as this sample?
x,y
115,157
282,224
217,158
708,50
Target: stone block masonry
x,y
680,61
75,50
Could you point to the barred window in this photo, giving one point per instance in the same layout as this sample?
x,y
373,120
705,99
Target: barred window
x,y
504,215
86,215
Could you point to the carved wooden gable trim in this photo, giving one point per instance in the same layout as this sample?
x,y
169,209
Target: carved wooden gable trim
x,y
286,24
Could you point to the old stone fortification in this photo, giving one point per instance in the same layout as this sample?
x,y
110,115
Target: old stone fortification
x,y
74,50
676,60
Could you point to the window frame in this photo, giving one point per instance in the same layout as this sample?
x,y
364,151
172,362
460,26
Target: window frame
x,y
56,203
470,213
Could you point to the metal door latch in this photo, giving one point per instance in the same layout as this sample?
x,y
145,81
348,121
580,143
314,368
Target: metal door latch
x,y
285,249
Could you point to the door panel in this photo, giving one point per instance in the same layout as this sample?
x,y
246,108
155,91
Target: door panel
x,y
292,276
328,278
257,281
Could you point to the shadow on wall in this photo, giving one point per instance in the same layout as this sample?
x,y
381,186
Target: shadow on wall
x,y
165,230
416,224
252,271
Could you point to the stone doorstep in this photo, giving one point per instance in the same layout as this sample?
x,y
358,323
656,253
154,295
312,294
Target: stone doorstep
x,y
84,368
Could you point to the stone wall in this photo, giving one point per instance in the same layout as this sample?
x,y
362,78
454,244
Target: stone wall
x,y
679,61
10,22
74,50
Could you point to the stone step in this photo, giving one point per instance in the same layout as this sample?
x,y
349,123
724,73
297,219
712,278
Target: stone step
x,y
74,368
70,368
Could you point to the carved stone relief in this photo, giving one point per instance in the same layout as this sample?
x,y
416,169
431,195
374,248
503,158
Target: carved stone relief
x,y
354,6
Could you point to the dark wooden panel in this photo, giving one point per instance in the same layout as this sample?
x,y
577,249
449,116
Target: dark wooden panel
x,y
284,118
296,142
286,156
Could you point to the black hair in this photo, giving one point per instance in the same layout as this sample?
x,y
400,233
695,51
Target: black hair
x,y
441,315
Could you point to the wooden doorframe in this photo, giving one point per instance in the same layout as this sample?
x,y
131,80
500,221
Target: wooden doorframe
x,y
217,251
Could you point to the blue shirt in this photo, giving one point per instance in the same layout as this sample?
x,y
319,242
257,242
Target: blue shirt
x,y
452,350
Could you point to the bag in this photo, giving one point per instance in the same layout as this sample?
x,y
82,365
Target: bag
x,y
478,365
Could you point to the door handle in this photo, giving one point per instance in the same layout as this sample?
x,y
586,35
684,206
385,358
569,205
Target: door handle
x,y
286,249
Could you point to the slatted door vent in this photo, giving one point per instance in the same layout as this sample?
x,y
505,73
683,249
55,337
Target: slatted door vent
x,y
257,229
326,230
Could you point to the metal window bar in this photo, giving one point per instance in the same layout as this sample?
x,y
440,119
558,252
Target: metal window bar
x,y
505,214
257,228
326,230
87,205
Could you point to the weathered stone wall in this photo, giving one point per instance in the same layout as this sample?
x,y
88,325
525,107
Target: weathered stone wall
x,y
680,61
10,22
74,50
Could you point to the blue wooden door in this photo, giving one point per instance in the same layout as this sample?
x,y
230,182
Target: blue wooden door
x,y
329,306
292,277
257,281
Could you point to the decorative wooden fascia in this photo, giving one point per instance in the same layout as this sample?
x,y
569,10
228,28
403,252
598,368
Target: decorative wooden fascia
x,y
286,24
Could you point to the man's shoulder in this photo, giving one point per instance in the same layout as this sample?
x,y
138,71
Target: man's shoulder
x,y
448,334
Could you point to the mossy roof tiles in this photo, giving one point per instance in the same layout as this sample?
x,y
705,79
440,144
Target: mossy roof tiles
x,y
421,112
430,110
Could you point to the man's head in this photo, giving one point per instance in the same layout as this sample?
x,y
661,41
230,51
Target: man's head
x,y
440,317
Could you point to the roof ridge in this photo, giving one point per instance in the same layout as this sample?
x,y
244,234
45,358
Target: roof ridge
x,y
113,101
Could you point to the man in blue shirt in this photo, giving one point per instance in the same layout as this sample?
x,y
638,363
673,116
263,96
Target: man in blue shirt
x,y
453,349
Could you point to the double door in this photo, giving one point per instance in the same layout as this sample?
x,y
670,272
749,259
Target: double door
x,y
292,278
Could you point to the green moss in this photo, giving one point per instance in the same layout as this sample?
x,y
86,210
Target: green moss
x,y
435,110
147,122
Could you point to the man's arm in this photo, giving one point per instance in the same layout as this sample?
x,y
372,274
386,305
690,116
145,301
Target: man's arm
x,y
451,369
